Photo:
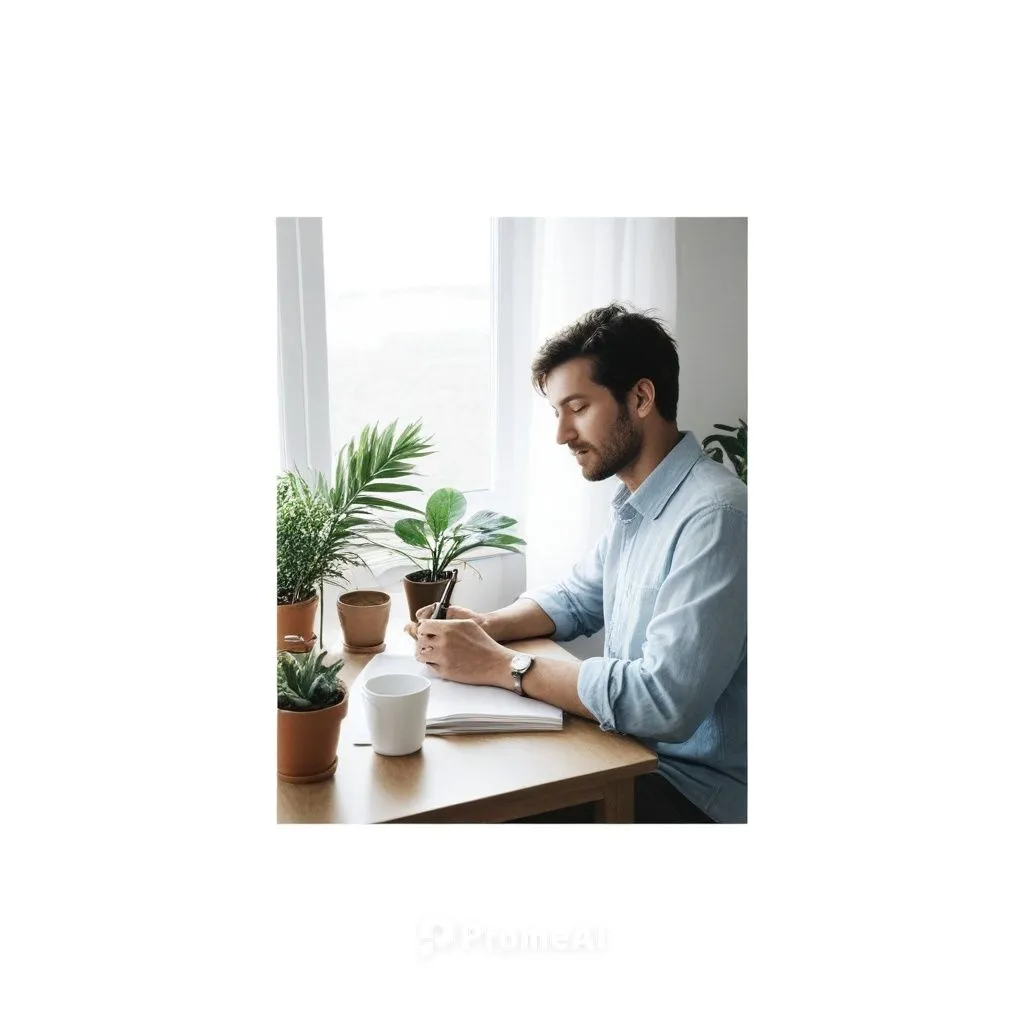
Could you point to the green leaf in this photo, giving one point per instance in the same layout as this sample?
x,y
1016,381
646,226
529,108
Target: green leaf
x,y
412,532
731,446
351,521
399,470
445,507
486,520
387,439
384,503
473,546
388,488
501,539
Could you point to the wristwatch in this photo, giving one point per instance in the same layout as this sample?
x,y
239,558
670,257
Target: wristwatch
x,y
520,666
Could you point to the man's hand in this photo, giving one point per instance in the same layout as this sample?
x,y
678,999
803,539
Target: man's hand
x,y
454,612
460,649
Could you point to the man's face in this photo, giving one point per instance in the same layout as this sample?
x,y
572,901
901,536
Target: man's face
x,y
598,431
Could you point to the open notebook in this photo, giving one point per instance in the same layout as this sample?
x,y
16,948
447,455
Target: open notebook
x,y
454,707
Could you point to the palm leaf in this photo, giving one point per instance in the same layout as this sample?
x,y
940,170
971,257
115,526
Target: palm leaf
x,y
385,503
389,488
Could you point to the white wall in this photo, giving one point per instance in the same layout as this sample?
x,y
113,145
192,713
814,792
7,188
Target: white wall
x,y
711,321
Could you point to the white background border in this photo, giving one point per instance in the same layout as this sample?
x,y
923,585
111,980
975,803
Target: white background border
x,y
873,149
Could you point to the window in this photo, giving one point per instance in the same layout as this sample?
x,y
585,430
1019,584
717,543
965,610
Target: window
x,y
410,336
403,318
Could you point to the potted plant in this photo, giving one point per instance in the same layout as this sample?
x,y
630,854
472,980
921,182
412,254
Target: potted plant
x,y
734,447
311,703
440,537
322,527
302,561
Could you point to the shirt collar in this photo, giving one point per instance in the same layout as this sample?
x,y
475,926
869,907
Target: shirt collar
x,y
651,497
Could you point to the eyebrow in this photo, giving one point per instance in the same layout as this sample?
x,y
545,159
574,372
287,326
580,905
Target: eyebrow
x,y
571,398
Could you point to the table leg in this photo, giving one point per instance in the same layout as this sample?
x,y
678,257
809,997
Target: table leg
x,y
616,803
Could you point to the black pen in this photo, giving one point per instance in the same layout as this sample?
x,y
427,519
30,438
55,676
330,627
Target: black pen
x,y
441,611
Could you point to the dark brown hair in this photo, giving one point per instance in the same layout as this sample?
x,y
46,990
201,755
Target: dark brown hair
x,y
623,346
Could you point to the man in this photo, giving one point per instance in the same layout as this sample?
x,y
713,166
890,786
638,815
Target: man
x,y
667,581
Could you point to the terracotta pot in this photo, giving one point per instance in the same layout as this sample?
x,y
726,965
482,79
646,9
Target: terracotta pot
x,y
296,620
307,743
418,595
364,620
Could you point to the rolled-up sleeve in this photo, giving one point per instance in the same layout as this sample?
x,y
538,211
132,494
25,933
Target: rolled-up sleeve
x,y
576,604
694,642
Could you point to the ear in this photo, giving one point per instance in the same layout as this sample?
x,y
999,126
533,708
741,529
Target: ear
x,y
644,391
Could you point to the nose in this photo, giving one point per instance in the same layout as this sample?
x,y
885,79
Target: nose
x,y
563,432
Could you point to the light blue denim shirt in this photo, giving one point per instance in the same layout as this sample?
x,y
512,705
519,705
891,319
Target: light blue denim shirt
x,y
668,581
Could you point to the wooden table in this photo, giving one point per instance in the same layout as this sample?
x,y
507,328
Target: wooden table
x,y
481,778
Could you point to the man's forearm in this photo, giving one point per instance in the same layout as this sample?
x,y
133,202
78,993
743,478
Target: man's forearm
x,y
554,682
521,620
551,680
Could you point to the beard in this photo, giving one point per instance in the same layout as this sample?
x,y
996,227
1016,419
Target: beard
x,y
618,452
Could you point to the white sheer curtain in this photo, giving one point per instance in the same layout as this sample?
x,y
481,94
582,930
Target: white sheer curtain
x,y
577,264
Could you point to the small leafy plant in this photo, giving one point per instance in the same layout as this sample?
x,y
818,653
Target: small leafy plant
x,y
734,447
304,683
303,552
441,536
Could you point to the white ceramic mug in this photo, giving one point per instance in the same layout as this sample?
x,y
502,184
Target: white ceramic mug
x,y
396,712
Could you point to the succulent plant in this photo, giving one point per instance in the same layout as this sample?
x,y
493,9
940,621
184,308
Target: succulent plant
x,y
305,683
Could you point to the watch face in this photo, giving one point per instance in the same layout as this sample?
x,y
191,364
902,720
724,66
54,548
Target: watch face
x,y
521,662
